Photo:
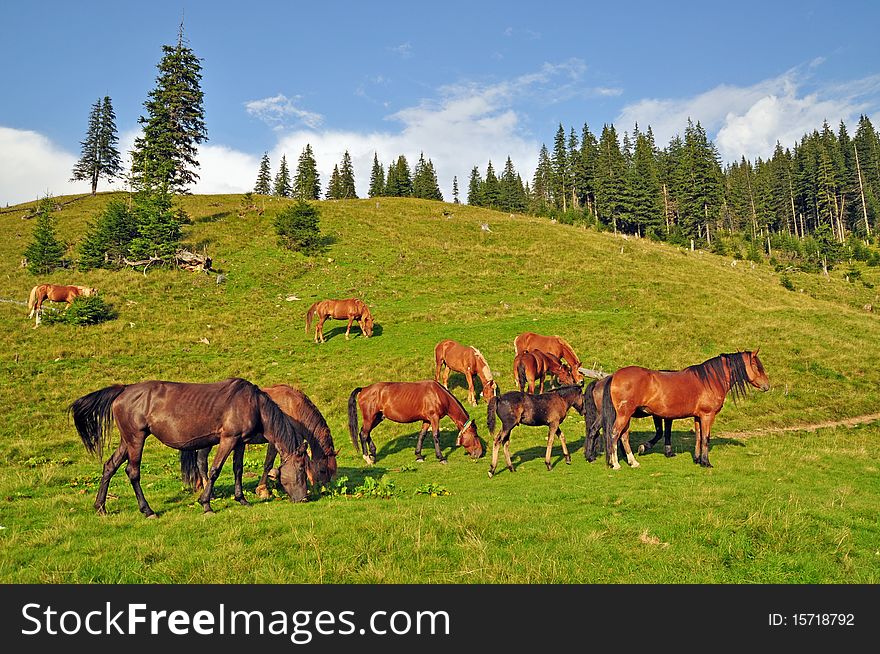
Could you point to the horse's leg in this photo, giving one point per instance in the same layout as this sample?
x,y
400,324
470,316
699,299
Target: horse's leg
x,y
507,450
133,470
419,456
551,436
630,459
319,329
435,432
620,427
237,470
705,431
472,397
658,432
202,467
496,444
698,440
446,377
366,440
227,444
110,468
348,329
667,438
543,376
263,490
564,446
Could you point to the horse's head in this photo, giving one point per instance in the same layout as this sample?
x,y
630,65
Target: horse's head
x,y
87,291
470,440
565,375
322,469
294,471
367,323
755,370
490,389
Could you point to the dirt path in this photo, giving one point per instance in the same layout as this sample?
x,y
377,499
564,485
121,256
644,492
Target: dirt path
x,y
847,422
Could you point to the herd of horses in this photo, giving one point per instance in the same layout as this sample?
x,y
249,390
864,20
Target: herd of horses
x,y
233,413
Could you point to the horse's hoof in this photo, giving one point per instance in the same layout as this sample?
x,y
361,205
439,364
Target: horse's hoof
x,y
100,510
706,464
442,461
263,493
243,501
420,459
616,466
642,449
274,474
491,474
568,460
549,467
669,454
635,464
370,460
151,515
511,468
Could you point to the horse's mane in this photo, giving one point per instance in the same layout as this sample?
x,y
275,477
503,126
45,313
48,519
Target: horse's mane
x,y
486,368
570,349
314,423
454,399
567,390
735,377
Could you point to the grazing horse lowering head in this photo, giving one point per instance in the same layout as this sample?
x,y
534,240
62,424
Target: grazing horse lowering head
x,y
367,322
468,438
294,470
755,371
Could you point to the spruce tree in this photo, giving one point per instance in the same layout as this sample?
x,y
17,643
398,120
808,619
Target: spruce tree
x,y
399,182
377,178
542,183
491,191
475,189
644,213
99,156
559,179
264,177
44,253
283,188
334,186
611,175
455,199
346,178
107,240
164,156
306,181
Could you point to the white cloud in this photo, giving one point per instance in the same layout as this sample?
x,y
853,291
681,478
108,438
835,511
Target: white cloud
x,y
276,109
404,50
747,121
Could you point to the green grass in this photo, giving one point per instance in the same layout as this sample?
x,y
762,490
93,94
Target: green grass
x,y
791,507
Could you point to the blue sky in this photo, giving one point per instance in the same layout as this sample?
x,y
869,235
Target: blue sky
x,y
463,82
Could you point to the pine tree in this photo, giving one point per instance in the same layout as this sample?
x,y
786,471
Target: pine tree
x,y
347,189
44,253
334,187
399,183
455,199
99,156
307,182
584,170
283,188
475,189
157,226
298,227
164,156
264,177
611,173
644,197
542,183
491,191
559,180
107,240
377,178
511,193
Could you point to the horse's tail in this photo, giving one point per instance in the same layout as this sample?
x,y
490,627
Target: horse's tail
x,y
309,315
490,415
439,353
353,418
521,373
609,417
93,416
590,413
189,469
32,300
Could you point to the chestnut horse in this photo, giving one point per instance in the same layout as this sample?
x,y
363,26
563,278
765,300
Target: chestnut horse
x,y
532,365
593,423
467,360
55,293
518,408
696,392
554,345
425,401
230,413
310,424
351,309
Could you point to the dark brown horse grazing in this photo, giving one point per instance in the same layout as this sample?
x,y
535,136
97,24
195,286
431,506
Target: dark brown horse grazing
x,y
54,293
230,413
593,423
696,392
533,365
467,360
554,345
309,423
351,309
518,408
425,401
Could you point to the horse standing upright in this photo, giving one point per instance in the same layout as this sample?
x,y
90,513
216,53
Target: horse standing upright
x,y
230,413
425,401
55,293
467,360
518,408
696,392
554,345
530,366
351,309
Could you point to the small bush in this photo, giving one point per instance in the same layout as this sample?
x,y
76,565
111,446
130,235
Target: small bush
x,y
785,280
90,310
298,228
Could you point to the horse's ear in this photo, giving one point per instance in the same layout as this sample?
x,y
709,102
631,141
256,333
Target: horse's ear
x,y
755,353
301,448
337,452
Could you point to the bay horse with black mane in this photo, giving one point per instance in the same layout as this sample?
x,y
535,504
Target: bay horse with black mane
x,y
518,408
425,401
530,366
351,309
467,360
229,413
554,345
696,392
309,423
55,293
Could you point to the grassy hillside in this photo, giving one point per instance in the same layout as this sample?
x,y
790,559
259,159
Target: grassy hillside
x,y
796,506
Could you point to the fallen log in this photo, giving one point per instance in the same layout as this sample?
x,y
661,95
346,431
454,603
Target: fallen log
x,y
592,374
182,259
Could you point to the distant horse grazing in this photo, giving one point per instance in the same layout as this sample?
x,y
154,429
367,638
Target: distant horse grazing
x,y
467,360
518,408
309,423
554,345
533,365
593,422
351,309
697,391
425,401
230,413
55,293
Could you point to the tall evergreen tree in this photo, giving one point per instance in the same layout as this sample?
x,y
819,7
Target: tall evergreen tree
x,y
542,183
455,199
164,156
334,187
611,173
560,178
475,188
264,177
44,253
377,178
306,181
283,187
491,191
347,189
644,197
99,156
399,182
